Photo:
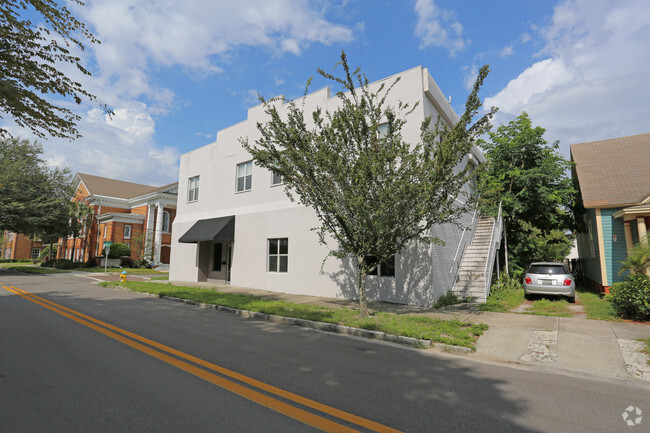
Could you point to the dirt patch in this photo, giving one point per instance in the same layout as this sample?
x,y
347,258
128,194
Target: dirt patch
x,y
576,309
523,307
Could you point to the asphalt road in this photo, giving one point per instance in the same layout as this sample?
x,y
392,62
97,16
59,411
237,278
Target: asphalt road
x,y
57,374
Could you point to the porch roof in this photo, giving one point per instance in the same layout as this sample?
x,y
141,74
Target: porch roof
x,y
212,229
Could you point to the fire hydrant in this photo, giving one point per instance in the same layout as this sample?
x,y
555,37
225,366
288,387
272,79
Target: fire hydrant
x,y
123,276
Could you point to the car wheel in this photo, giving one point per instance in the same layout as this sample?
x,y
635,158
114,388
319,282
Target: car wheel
x,y
528,296
572,299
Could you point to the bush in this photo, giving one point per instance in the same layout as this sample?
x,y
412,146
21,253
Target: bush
x,y
118,250
61,264
126,262
448,298
631,298
46,252
15,260
507,283
143,263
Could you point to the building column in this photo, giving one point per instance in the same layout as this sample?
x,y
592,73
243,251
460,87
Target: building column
x,y
643,231
158,234
148,239
629,242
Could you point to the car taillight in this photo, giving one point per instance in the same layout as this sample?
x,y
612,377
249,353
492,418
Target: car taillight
x,y
567,282
529,281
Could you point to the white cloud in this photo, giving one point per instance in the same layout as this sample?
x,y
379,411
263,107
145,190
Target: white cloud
x,y
120,147
593,80
438,27
507,51
141,37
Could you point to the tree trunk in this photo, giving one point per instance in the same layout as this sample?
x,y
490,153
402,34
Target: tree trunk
x,y
361,284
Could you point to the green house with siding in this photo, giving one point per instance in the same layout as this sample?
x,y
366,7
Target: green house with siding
x,y
613,177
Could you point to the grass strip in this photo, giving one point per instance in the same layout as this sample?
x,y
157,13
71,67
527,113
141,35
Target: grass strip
x,y
131,271
550,307
452,332
34,270
596,307
503,301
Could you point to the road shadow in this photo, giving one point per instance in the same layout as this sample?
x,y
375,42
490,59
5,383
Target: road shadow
x,y
407,389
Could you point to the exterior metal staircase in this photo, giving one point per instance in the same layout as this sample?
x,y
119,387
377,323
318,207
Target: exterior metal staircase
x,y
475,271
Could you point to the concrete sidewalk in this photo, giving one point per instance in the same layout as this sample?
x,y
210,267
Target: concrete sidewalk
x,y
578,345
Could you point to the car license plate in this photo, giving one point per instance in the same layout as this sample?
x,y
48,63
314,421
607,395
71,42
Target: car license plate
x,y
548,282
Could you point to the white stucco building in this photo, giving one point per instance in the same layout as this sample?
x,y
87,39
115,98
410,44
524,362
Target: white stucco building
x,y
235,224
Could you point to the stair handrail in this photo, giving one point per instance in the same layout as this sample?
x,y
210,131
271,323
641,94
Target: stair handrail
x,y
471,224
489,261
460,242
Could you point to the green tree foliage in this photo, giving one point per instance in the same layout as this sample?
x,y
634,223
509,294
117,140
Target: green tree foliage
x,y
530,178
118,250
34,198
372,191
30,59
81,219
638,259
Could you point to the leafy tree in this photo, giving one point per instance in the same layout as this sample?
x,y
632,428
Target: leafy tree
x,y
373,192
30,59
118,250
530,178
141,245
638,259
81,219
33,197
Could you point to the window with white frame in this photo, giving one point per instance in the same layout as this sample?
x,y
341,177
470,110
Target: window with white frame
x,y
278,255
383,269
35,253
165,224
105,225
127,231
193,189
244,176
382,129
276,179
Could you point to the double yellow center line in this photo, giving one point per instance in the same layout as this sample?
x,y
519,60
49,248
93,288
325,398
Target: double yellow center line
x,y
247,387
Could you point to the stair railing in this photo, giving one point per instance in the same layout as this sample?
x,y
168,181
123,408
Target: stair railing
x,y
495,240
456,262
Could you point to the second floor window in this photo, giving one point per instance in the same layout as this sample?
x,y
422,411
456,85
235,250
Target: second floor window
x,y
276,179
193,188
165,224
127,232
244,176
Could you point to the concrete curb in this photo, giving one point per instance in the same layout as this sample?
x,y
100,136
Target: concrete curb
x,y
327,327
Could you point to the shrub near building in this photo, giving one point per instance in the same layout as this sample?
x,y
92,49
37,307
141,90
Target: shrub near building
x,y
631,298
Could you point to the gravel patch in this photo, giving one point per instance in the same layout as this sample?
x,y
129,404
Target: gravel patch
x,y
542,347
636,361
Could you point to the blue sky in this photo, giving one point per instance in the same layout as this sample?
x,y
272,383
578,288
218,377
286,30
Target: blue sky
x,y
177,72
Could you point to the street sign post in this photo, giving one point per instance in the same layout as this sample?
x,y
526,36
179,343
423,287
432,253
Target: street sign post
x,y
107,248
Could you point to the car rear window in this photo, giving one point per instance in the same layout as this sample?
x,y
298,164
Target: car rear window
x,y
546,269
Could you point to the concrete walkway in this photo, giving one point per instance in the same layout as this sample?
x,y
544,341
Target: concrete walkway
x,y
577,345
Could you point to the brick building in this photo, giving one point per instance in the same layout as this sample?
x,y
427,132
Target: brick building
x,y
138,215
19,246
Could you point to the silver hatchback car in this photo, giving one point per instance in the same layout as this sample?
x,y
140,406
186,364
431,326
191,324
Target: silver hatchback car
x,y
544,278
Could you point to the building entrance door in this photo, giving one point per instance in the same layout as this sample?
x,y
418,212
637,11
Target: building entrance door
x,y
229,264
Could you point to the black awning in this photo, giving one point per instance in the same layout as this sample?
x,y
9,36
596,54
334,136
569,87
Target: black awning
x,y
213,229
